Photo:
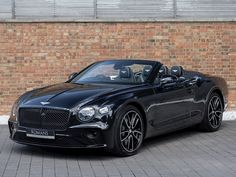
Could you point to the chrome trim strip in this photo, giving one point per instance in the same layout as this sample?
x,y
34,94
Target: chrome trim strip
x,y
100,125
41,106
59,134
22,131
170,102
40,136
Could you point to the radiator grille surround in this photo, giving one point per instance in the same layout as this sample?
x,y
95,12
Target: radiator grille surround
x,y
44,118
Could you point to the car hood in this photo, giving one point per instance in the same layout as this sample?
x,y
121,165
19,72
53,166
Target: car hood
x,y
68,95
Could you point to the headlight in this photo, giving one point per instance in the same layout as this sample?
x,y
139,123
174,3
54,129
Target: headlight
x,y
14,110
86,114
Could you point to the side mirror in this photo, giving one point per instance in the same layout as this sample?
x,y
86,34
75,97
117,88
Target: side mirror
x,y
181,79
72,75
166,80
195,80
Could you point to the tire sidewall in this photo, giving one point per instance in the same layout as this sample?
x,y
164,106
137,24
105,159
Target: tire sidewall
x,y
118,148
206,121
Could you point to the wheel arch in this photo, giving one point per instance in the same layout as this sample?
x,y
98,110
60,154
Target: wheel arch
x,y
141,109
205,125
219,92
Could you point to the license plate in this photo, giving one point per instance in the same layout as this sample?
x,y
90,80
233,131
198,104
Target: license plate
x,y
38,133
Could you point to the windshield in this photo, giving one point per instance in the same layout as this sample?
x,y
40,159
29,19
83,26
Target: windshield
x,y
130,72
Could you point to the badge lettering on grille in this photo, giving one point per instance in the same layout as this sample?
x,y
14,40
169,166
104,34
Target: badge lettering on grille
x,y
43,114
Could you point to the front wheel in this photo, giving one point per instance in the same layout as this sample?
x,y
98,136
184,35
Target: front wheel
x,y
213,113
129,131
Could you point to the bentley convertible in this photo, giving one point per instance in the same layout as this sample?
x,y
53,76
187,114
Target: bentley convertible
x,y
116,104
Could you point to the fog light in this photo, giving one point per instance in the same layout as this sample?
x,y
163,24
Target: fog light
x,y
92,134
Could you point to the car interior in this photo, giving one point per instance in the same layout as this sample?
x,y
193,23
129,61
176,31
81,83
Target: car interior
x,y
174,75
130,74
177,75
165,75
126,74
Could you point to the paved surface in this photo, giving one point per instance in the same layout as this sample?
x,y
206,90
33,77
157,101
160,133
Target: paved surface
x,y
184,153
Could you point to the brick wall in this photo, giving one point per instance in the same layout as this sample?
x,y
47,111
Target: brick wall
x,y
37,54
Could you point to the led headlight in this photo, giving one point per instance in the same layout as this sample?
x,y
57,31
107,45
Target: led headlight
x,y
86,114
14,110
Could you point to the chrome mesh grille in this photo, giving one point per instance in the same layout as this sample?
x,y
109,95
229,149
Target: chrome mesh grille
x,y
44,118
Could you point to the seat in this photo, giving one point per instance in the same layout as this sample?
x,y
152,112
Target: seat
x,y
163,71
126,74
146,71
177,71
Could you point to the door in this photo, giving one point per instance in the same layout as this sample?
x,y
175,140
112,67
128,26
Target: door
x,y
172,104
197,110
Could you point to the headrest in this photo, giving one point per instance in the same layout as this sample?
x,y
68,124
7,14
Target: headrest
x,y
146,70
125,72
177,71
163,70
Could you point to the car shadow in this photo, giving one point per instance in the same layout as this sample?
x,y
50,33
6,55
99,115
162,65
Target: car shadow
x,y
102,154
171,137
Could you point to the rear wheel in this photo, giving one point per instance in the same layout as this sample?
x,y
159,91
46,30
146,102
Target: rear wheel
x,y
129,131
213,113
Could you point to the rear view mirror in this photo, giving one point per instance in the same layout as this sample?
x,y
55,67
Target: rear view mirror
x,y
71,76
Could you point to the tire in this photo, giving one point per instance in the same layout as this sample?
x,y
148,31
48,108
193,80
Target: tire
x,y
213,114
129,131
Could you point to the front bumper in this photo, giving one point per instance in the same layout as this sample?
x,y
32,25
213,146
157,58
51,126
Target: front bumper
x,y
91,135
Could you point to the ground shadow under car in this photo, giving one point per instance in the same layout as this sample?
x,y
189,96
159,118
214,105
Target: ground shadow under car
x,y
90,154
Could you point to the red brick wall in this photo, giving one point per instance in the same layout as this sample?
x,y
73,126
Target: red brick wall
x,y
37,54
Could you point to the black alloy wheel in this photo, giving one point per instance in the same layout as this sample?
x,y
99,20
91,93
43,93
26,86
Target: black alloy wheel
x,y
213,113
129,132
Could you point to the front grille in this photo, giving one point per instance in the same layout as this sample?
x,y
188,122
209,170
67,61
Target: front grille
x,y
44,118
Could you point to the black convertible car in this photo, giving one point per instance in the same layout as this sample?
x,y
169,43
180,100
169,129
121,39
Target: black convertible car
x,y
116,104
